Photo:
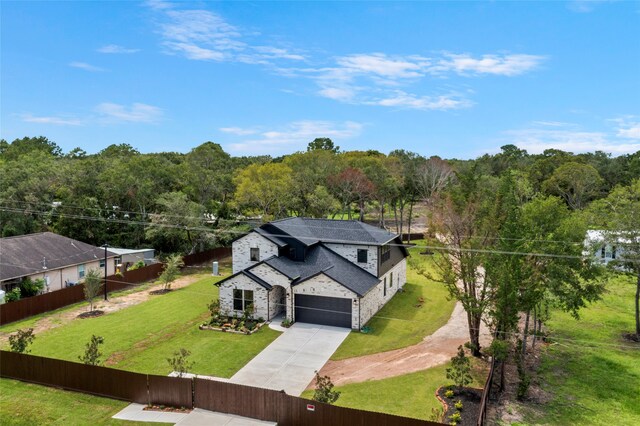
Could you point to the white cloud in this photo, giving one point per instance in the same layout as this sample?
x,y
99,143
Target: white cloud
x,y
583,6
506,65
114,48
239,131
296,135
628,126
536,141
203,35
553,124
440,103
55,120
382,65
85,66
136,113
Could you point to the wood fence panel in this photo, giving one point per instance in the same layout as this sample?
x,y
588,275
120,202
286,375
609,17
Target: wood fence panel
x,y
68,375
171,391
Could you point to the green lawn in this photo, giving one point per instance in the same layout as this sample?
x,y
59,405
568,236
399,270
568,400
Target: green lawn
x,y
140,338
400,323
27,404
594,376
409,395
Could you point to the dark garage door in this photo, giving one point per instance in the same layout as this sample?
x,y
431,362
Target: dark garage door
x,y
333,311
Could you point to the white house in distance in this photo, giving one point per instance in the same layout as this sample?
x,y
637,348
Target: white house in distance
x,y
58,260
129,257
603,251
331,272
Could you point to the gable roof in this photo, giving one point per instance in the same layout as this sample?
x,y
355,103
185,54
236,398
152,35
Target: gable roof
x,y
249,275
27,254
312,231
320,259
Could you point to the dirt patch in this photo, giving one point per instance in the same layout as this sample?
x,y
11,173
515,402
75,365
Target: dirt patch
x,y
435,349
631,337
91,314
161,291
164,409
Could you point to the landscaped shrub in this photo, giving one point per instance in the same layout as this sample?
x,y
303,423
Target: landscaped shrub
x,y
449,394
460,370
458,405
455,417
20,341
286,323
12,295
29,287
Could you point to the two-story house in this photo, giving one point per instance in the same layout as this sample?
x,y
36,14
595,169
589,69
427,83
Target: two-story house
x,y
331,272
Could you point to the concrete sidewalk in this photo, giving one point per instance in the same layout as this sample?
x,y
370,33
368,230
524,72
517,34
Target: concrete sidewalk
x,y
289,362
197,417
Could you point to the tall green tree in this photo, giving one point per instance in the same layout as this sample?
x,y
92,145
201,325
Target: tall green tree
x,y
265,189
575,183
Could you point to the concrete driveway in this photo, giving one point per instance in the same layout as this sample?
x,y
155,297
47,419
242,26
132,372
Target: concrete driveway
x,y
290,361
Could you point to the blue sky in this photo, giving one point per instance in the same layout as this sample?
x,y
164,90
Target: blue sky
x,y
455,79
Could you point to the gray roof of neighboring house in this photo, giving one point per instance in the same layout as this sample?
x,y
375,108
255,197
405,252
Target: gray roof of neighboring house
x,y
27,254
320,259
311,231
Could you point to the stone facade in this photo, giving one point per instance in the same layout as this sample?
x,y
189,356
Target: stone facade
x,y
242,282
322,285
350,252
376,298
241,250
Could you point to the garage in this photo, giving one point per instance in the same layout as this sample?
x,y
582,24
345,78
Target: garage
x,y
334,311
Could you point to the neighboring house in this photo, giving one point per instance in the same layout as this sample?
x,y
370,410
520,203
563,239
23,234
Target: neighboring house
x,y
129,257
58,260
332,272
603,250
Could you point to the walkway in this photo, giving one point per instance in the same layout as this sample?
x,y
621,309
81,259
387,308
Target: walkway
x,y
289,362
436,349
197,417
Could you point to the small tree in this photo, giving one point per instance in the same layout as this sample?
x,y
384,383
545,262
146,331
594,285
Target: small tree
x,y
324,390
92,281
171,271
21,340
460,370
92,353
179,362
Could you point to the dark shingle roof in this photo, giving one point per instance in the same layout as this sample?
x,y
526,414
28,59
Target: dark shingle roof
x,y
271,237
320,259
25,255
311,231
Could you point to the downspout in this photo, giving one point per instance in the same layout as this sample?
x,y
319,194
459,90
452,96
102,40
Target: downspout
x,y
359,313
268,310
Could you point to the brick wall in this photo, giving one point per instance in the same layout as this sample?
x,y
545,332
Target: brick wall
x,y
241,250
350,252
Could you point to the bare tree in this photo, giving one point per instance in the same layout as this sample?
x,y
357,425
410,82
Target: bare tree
x,y
432,177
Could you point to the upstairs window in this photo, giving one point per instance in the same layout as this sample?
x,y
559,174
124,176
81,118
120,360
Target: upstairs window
x,y
362,255
254,254
385,253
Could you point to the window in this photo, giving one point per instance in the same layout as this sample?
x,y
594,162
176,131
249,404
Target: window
x,y
80,271
602,252
384,287
242,299
255,254
102,263
385,253
613,252
362,255
390,280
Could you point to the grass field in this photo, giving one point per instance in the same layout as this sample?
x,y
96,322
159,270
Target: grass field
x,y
27,404
409,395
400,323
592,374
140,338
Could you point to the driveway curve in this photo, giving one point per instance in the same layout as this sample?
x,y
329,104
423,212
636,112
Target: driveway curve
x,y
435,349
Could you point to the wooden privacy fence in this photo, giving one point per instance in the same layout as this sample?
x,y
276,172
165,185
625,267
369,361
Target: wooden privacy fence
x,y
257,403
486,391
29,306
